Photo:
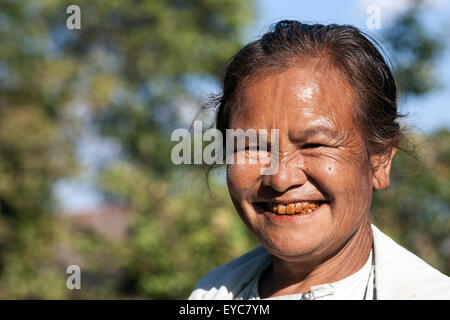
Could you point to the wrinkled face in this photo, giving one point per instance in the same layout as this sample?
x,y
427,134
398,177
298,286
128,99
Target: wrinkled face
x,y
322,190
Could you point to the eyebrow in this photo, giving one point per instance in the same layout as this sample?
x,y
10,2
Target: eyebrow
x,y
311,132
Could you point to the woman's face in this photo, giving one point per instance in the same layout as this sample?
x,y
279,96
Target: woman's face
x,y
323,164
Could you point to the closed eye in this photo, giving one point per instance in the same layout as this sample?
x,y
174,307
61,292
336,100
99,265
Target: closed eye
x,y
312,145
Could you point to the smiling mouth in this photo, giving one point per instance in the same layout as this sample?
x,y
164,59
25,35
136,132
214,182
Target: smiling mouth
x,y
293,208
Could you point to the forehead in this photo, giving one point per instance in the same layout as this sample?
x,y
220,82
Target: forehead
x,y
295,98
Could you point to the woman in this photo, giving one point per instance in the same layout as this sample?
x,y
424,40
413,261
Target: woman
x,y
331,95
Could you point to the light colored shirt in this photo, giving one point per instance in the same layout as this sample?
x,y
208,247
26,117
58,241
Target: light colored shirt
x,y
358,286
397,274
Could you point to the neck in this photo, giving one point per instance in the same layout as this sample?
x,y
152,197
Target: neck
x,y
289,277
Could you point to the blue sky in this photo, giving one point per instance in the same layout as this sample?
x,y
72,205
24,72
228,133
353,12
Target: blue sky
x,y
427,114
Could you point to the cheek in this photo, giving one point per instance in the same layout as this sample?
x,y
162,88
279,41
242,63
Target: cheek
x,y
327,173
241,179
341,178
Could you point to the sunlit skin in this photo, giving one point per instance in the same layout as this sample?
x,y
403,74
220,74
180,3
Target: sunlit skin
x,y
322,157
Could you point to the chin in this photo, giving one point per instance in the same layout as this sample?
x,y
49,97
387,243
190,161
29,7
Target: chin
x,y
292,246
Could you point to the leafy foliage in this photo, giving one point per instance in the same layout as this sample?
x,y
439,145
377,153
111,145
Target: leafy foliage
x,y
415,51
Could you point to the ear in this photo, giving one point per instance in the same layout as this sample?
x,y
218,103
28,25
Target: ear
x,y
381,165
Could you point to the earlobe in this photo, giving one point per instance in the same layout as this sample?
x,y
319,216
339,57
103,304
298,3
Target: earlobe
x,y
381,165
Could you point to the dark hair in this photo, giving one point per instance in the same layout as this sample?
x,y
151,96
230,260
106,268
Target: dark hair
x,y
355,54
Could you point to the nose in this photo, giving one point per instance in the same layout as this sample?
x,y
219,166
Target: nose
x,y
290,173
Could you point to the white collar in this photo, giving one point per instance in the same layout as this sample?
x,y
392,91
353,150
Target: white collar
x,y
351,287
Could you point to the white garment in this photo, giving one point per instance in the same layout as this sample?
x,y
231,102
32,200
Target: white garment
x,y
399,274
357,286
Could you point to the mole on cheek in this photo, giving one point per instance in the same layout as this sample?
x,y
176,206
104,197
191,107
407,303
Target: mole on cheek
x,y
329,168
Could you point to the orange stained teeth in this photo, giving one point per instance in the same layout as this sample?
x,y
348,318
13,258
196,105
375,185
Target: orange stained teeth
x,y
302,207
290,208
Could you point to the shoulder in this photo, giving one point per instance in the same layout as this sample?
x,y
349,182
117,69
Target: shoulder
x,y
400,274
227,281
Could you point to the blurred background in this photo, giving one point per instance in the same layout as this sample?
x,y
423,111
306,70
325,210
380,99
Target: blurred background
x,y
85,121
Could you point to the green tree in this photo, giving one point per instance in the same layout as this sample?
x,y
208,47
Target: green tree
x,y
33,152
415,209
415,51
131,63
